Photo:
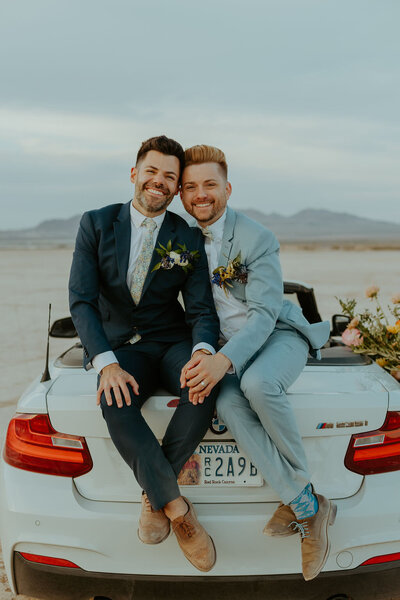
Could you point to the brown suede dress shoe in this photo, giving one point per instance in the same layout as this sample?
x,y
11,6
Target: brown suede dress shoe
x,y
194,541
279,523
154,525
315,543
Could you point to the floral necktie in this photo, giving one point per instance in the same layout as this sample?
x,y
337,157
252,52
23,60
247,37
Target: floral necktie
x,y
143,262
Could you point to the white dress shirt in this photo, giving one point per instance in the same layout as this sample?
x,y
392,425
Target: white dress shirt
x,y
137,236
231,311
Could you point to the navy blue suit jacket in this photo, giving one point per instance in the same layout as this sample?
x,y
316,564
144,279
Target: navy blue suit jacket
x,y
101,305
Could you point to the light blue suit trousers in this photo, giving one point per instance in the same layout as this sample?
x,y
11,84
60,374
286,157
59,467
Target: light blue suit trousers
x,y
268,353
259,415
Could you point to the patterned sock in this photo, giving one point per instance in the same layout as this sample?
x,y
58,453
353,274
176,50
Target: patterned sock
x,y
305,505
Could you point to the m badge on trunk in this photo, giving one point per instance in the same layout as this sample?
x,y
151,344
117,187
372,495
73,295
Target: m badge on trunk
x,y
342,424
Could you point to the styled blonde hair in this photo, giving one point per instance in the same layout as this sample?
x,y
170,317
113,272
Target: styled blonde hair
x,y
197,155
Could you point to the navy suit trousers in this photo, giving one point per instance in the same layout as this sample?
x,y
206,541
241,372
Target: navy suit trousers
x,y
156,467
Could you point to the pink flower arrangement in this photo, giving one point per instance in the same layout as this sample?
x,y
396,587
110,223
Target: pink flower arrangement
x,y
352,337
370,332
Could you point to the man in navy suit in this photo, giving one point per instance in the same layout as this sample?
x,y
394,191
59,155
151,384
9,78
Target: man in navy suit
x,y
130,263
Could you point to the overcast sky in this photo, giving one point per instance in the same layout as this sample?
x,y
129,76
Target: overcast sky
x,y
302,95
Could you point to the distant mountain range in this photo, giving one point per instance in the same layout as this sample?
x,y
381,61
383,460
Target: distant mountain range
x,y
310,225
316,225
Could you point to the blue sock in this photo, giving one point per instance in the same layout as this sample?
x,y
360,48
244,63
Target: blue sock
x,y
305,505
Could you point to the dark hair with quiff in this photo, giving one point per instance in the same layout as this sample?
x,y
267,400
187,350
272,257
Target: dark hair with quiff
x,y
164,145
197,155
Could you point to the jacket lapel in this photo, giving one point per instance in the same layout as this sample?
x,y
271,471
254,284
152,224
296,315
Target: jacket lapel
x,y
122,233
227,238
166,233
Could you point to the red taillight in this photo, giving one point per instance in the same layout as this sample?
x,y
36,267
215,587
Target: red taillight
x,y
48,560
33,445
376,451
377,560
173,403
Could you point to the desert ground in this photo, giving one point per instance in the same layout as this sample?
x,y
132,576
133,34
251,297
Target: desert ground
x,y
33,278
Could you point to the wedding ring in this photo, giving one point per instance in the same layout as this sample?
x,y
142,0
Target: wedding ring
x,y
203,383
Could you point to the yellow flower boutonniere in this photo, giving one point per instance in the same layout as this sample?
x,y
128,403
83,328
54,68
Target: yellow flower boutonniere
x,y
234,271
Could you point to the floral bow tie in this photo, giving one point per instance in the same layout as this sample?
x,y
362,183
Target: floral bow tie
x,y
207,233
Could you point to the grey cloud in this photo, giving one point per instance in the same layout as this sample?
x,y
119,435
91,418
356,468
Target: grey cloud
x,y
301,94
323,57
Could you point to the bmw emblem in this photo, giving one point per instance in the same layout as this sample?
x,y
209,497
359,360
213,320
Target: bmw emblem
x,y
217,426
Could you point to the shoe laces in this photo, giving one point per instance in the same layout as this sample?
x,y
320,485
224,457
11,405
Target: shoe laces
x,y
302,528
187,528
147,504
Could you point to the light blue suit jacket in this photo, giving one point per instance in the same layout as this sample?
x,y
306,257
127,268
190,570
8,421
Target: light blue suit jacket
x,y
263,293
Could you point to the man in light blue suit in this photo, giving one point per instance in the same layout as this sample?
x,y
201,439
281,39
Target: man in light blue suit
x,y
265,341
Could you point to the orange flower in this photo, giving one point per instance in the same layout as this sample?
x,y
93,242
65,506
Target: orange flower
x,y
353,323
393,328
381,362
396,299
372,291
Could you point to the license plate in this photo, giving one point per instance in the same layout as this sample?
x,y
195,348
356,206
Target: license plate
x,y
220,464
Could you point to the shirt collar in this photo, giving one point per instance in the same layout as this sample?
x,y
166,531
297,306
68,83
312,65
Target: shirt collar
x,y
137,218
217,228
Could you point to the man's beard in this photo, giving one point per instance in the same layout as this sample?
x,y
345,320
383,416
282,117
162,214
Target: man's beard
x,y
153,207
210,217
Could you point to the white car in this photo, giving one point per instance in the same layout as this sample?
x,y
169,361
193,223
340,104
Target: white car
x,y
70,506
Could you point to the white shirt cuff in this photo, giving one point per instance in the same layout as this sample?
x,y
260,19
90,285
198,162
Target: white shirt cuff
x,y
203,346
103,360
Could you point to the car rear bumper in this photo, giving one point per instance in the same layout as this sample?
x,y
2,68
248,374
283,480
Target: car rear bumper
x,y
45,515
62,583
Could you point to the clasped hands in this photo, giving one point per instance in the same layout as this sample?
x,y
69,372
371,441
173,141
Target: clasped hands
x,y
202,373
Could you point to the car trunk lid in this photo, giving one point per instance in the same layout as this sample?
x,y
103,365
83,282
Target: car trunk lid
x,y
330,405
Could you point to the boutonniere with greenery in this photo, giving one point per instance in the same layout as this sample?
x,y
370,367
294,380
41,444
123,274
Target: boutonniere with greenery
x,y
182,257
370,332
223,277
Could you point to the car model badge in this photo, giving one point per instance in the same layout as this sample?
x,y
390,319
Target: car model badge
x,y
217,426
342,424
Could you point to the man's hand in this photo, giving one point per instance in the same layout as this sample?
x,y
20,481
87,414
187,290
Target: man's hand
x,y
202,373
116,379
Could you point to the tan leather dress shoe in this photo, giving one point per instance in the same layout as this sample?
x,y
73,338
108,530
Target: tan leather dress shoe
x,y
279,523
194,541
154,525
315,543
